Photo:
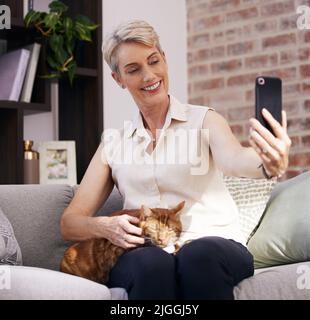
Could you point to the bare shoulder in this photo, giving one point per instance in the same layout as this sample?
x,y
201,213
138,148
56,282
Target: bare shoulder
x,y
214,120
221,138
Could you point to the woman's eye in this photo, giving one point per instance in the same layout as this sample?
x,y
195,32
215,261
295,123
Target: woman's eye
x,y
132,70
154,61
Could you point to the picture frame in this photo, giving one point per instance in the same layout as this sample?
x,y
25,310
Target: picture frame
x,y
57,162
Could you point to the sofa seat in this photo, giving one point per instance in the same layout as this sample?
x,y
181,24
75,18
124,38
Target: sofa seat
x,y
35,211
30,283
285,282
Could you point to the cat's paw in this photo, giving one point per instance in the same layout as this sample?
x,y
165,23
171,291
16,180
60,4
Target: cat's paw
x,y
170,248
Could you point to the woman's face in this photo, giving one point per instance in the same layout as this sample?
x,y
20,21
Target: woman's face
x,y
143,71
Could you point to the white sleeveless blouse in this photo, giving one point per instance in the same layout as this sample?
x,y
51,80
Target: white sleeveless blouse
x,y
180,168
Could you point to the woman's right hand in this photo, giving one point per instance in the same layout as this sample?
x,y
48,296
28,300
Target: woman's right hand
x,y
123,232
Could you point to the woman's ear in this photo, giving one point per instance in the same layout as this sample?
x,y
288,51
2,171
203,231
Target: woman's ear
x,y
164,56
117,79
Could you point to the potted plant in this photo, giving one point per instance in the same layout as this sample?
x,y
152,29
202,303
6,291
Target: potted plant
x,y
61,34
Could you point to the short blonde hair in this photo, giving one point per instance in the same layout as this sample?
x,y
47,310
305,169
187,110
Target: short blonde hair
x,y
132,31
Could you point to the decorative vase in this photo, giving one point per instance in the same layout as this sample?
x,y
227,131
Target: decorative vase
x,y
31,164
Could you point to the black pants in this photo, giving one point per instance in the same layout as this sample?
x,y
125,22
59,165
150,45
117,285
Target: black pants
x,y
206,268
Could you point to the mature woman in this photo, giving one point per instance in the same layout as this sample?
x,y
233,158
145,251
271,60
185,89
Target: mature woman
x,y
216,259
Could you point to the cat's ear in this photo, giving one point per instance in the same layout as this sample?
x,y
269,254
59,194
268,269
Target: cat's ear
x,y
176,210
145,212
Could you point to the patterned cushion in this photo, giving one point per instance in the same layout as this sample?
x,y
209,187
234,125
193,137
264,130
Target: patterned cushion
x,y
10,252
250,196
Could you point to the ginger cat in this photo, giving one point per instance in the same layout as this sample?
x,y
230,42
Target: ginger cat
x,y
93,259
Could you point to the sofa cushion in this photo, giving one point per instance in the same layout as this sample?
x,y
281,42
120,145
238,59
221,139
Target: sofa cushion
x,y
251,197
283,235
118,294
23,283
34,212
112,204
10,252
287,282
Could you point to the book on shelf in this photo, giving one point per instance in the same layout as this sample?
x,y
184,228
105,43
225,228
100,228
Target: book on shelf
x,y
34,50
13,66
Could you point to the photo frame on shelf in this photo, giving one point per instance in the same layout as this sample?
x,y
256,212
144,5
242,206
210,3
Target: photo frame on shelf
x,y
57,162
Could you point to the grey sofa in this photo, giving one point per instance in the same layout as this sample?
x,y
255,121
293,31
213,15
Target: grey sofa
x,y
34,212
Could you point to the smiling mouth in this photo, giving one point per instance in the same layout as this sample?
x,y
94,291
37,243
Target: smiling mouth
x,y
153,87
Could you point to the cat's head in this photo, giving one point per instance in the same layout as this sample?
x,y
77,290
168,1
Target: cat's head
x,y
162,226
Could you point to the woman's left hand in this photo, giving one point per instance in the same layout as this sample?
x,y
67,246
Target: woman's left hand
x,y
273,149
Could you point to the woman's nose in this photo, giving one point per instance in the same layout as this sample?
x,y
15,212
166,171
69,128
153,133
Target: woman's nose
x,y
148,76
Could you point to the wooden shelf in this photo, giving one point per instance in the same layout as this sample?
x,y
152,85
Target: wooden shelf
x,y
12,112
81,105
11,146
17,23
24,106
86,72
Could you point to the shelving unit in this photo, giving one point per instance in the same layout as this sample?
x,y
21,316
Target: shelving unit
x,y
11,112
81,106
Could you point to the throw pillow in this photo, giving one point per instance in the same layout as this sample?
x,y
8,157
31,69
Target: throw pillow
x,y
10,252
251,197
283,235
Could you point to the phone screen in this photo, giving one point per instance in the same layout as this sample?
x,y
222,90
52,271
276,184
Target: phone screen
x,y
268,94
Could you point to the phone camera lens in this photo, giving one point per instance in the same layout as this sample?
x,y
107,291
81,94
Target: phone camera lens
x,y
261,81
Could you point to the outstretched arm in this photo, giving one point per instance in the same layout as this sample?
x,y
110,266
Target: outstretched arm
x,y
235,160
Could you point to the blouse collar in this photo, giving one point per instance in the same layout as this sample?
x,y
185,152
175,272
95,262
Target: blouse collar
x,y
176,111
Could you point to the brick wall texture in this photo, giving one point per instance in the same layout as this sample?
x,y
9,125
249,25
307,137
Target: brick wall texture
x,y
230,43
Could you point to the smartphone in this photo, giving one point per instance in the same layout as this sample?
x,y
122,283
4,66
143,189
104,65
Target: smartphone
x,y
268,94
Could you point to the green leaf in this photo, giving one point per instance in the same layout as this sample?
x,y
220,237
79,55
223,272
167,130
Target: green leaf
x,y
52,63
56,43
86,22
61,33
69,35
68,26
83,19
28,17
70,45
58,6
93,27
71,71
51,21
32,17
51,76
82,33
